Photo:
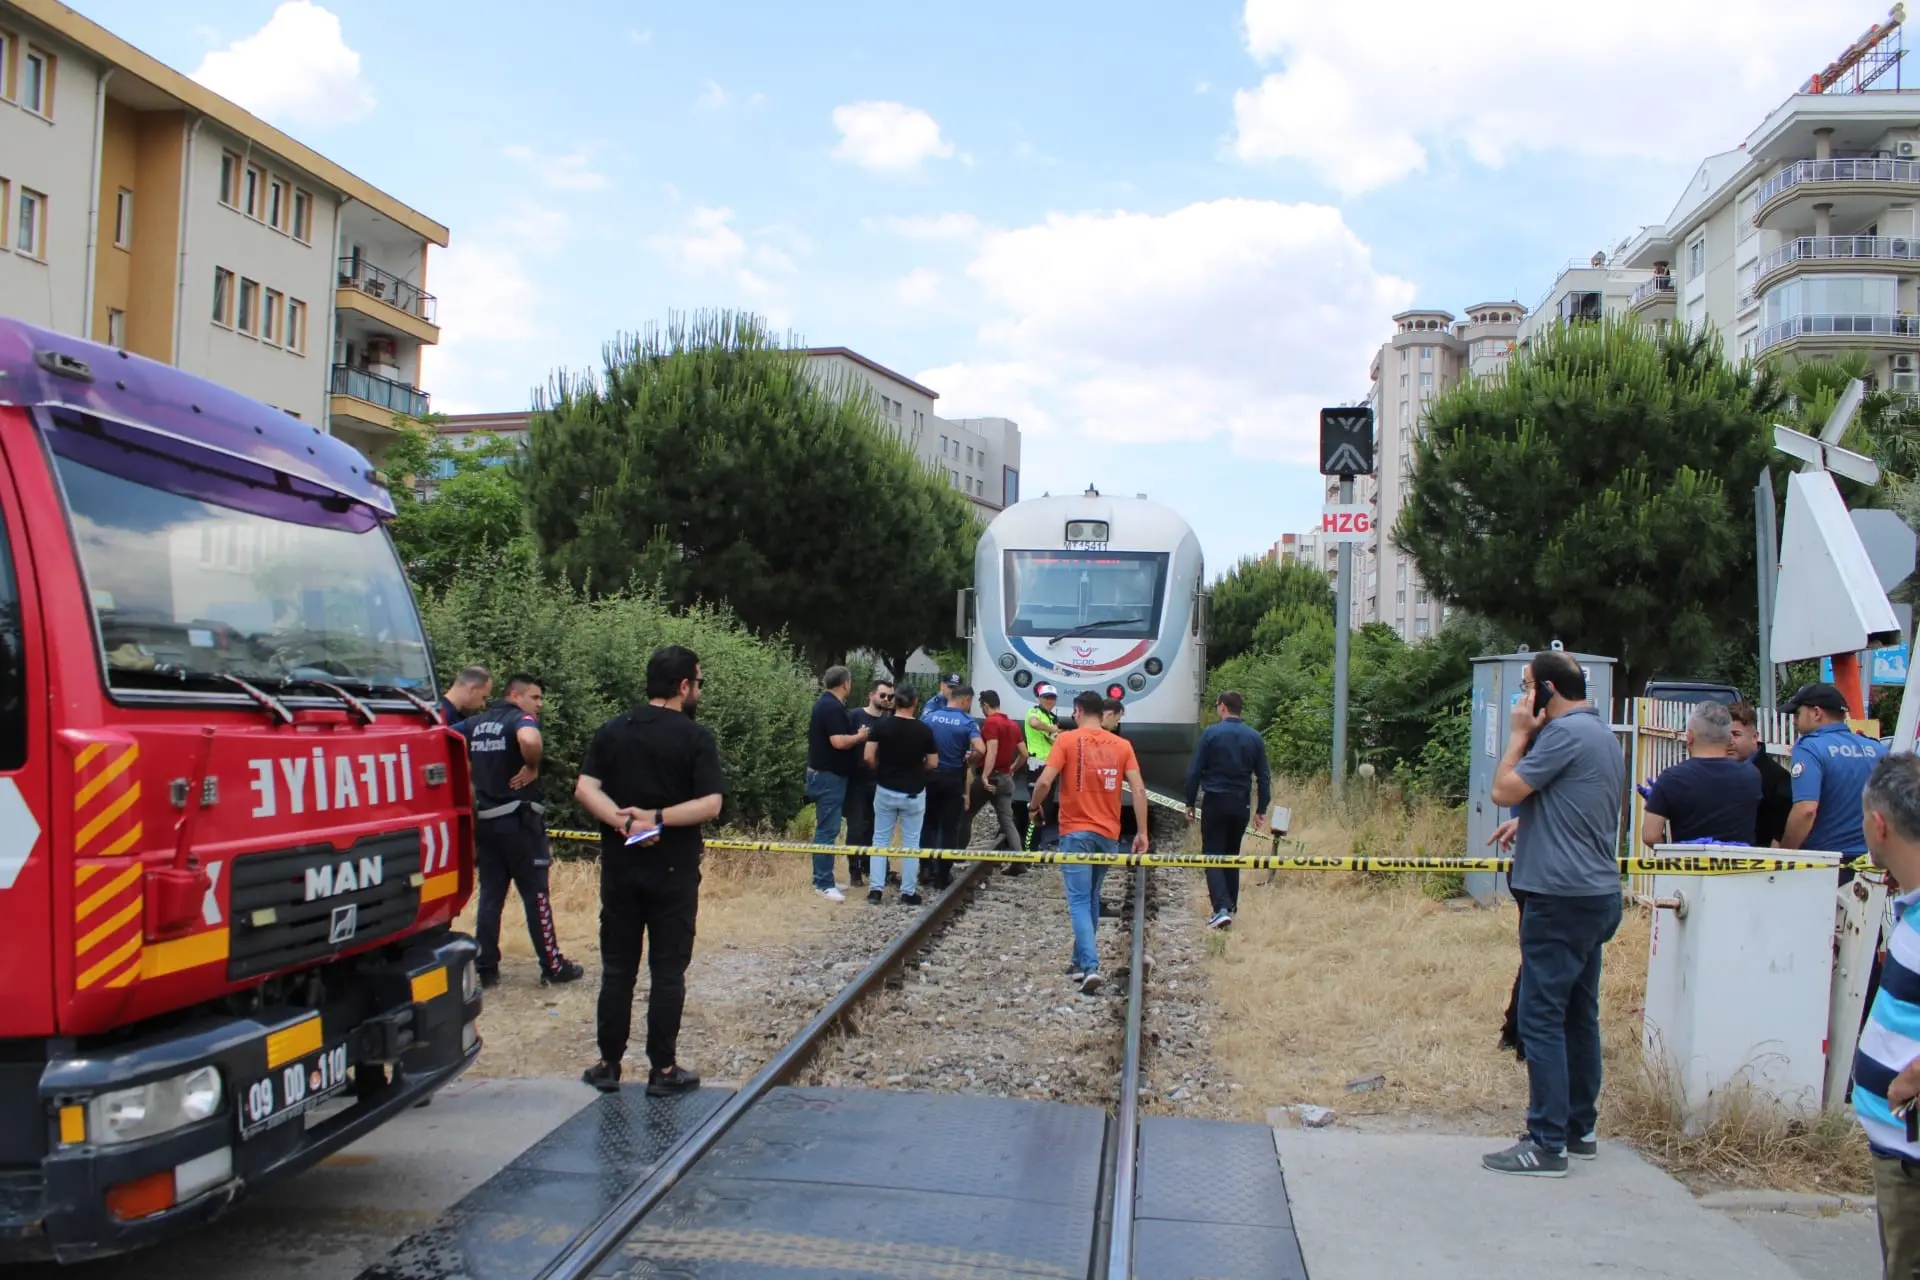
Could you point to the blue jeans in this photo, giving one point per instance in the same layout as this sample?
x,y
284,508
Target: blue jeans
x,y
1083,894
1560,945
910,812
828,791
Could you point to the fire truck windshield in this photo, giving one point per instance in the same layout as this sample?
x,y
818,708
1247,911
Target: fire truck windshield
x,y
187,591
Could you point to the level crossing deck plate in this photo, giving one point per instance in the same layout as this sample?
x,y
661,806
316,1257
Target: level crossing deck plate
x,y
1212,1202
817,1183
516,1222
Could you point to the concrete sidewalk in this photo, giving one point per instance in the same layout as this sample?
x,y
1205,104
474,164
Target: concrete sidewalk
x,y
1420,1205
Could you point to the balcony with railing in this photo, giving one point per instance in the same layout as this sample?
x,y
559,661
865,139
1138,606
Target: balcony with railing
x,y
1894,178
1658,289
1842,251
380,393
1838,330
358,276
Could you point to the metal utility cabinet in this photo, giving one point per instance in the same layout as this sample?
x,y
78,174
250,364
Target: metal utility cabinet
x,y
1496,687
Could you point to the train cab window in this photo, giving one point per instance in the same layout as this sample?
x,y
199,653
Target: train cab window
x,y
13,665
1115,595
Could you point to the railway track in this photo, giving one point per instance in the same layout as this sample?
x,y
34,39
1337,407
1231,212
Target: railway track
x,y
836,1029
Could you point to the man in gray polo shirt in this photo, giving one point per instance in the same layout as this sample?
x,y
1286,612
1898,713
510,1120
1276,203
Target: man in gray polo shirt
x,y
1564,771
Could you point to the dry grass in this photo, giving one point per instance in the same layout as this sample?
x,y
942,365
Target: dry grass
x,y
1330,978
753,909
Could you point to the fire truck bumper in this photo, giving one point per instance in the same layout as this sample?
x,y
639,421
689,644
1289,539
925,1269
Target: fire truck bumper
x,y
404,1029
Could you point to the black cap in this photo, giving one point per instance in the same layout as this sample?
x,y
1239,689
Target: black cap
x,y
954,680
1825,697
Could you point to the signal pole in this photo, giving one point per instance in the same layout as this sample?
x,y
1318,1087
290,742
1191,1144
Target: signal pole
x,y
1342,642
1346,450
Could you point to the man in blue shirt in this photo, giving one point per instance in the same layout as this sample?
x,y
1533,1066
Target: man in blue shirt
x,y
1829,765
958,740
1230,758
1886,1070
948,687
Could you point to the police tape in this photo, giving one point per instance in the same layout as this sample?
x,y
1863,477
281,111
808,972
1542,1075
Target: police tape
x,y
1695,865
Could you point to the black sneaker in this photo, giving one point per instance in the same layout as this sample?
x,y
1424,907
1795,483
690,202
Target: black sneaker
x,y
1587,1148
856,881
1013,868
1528,1159
876,897
489,978
910,899
675,1079
564,972
603,1076
1091,982
1109,912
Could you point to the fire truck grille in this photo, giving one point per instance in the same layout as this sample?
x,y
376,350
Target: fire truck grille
x,y
294,906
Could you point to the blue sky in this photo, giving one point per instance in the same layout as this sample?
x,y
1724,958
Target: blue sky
x,y
1158,235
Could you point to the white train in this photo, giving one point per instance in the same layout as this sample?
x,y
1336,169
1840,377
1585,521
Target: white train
x,y
1100,593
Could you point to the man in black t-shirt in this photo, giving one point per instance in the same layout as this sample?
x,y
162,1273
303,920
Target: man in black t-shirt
x,y
1711,795
860,782
1776,784
902,755
833,744
651,777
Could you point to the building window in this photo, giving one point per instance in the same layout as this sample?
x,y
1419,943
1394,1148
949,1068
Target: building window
x,y
6,64
1426,379
223,296
1400,597
36,82
943,446
1422,627
249,316
1403,411
296,326
253,189
1420,596
1697,258
302,216
969,455
30,232
230,179
116,328
123,219
277,205
1426,355
270,317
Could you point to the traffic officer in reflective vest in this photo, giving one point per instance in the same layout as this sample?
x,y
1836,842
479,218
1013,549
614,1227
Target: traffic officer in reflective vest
x,y
509,829
1042,726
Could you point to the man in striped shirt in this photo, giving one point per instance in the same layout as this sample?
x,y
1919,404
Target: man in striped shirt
x,y
1886,1066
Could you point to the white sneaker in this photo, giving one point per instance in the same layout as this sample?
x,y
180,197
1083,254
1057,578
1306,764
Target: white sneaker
x,y
832,895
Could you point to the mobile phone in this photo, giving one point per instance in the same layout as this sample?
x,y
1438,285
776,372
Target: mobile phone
x,y
1542,695
643,835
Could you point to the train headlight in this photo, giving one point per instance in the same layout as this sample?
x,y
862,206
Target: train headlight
x,y
1155,666
1136,682
1006,662
1022,679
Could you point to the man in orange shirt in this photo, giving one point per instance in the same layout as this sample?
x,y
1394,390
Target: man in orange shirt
x,y
1089,764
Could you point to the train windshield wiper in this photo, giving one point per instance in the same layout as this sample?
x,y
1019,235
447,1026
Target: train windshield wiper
x,y
1091,627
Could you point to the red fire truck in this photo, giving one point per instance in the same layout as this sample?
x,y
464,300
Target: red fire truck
x,y
234,831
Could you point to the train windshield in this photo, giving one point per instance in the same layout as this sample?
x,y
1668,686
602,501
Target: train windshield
x,y
1113,594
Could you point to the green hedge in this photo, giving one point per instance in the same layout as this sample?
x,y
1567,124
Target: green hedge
x,y
591,658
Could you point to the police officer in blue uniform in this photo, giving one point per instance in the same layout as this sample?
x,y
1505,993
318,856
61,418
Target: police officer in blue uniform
x,y
509,829
1830,764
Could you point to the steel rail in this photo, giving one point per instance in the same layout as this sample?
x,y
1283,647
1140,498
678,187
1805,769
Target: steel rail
x,y
581,1258
1127,1114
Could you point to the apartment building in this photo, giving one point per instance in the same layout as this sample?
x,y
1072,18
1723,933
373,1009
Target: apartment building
x,y
140,209
1802,241
1296,548
1601,289
1429,352
978,456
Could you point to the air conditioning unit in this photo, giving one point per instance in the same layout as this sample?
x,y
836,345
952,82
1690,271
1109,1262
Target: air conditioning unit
x,y
1908,148
1903,364
1899,247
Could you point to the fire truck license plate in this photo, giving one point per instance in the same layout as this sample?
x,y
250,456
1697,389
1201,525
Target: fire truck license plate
x,y
292,1091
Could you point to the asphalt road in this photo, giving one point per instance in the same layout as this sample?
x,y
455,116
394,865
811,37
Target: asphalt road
x,y
334,1220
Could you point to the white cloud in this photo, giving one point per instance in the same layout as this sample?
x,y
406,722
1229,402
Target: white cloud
x,y
918,287
713,97
709,248
570,172
1234,317
709,242
639,35
499,312
297,70
888,136
1366,95
933,226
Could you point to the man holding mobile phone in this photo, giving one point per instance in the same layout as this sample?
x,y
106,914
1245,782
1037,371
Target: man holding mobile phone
x,y
1564,772
651,777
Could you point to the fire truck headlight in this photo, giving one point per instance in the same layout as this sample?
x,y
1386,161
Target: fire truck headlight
x,y
148,1110
469,983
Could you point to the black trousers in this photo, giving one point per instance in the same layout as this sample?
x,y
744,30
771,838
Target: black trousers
x,y
1222,823
644,903
945,826
513,850
859,814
